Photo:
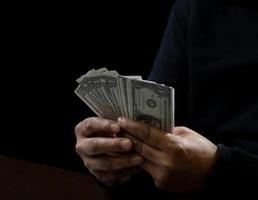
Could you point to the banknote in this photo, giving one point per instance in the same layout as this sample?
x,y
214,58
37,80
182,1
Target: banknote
x,y
111,95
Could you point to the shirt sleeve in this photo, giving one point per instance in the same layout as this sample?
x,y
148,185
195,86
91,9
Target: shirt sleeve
x,y
170,66
171,63
236,171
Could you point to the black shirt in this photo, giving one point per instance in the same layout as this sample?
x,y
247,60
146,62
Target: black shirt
x,y
209,54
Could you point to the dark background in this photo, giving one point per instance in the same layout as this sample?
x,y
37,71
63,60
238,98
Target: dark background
x,y
47,47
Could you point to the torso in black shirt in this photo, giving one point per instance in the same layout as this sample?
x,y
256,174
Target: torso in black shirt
x,y
210,55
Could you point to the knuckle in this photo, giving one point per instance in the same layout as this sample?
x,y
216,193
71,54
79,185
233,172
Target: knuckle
x,y
91,146
181,129
87,123
106,124
116,144
78,148
112,146
84,125
78,128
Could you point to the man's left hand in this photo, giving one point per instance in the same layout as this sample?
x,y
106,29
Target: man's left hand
x,y
179,161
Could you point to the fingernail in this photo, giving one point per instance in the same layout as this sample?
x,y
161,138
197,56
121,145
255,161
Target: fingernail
x,y
137,160
126,144
114,128
121,119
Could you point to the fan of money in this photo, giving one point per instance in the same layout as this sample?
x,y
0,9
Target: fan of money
x,y
110,95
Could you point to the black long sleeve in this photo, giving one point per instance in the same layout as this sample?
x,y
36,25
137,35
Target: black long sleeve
x,y
209,53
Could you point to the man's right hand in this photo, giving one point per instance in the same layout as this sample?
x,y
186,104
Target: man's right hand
x,y
99,149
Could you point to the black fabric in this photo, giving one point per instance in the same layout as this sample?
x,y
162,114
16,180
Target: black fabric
x,y
209,54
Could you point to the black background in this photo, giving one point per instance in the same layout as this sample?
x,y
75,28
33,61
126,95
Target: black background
x,y
47,47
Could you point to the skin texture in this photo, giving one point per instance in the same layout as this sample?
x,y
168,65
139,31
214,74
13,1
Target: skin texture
x,y
104,154
178,162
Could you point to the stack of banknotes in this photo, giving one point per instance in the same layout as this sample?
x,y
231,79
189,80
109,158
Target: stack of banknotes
x,y
110,95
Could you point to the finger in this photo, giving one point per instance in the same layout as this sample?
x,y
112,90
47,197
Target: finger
x,y
143,132
93,125
161,185
114,175
137,144
184,132
154,155
98,145
108,163
155,171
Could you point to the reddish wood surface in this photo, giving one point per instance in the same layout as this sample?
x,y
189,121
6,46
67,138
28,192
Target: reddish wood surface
x,y
21,179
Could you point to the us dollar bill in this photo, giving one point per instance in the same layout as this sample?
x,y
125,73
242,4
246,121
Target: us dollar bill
x,y
151,103
111,95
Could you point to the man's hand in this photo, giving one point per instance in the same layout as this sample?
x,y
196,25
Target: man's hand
x,y
178,162
98,147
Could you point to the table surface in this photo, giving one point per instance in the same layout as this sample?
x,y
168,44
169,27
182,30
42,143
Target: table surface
x,y
21,179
